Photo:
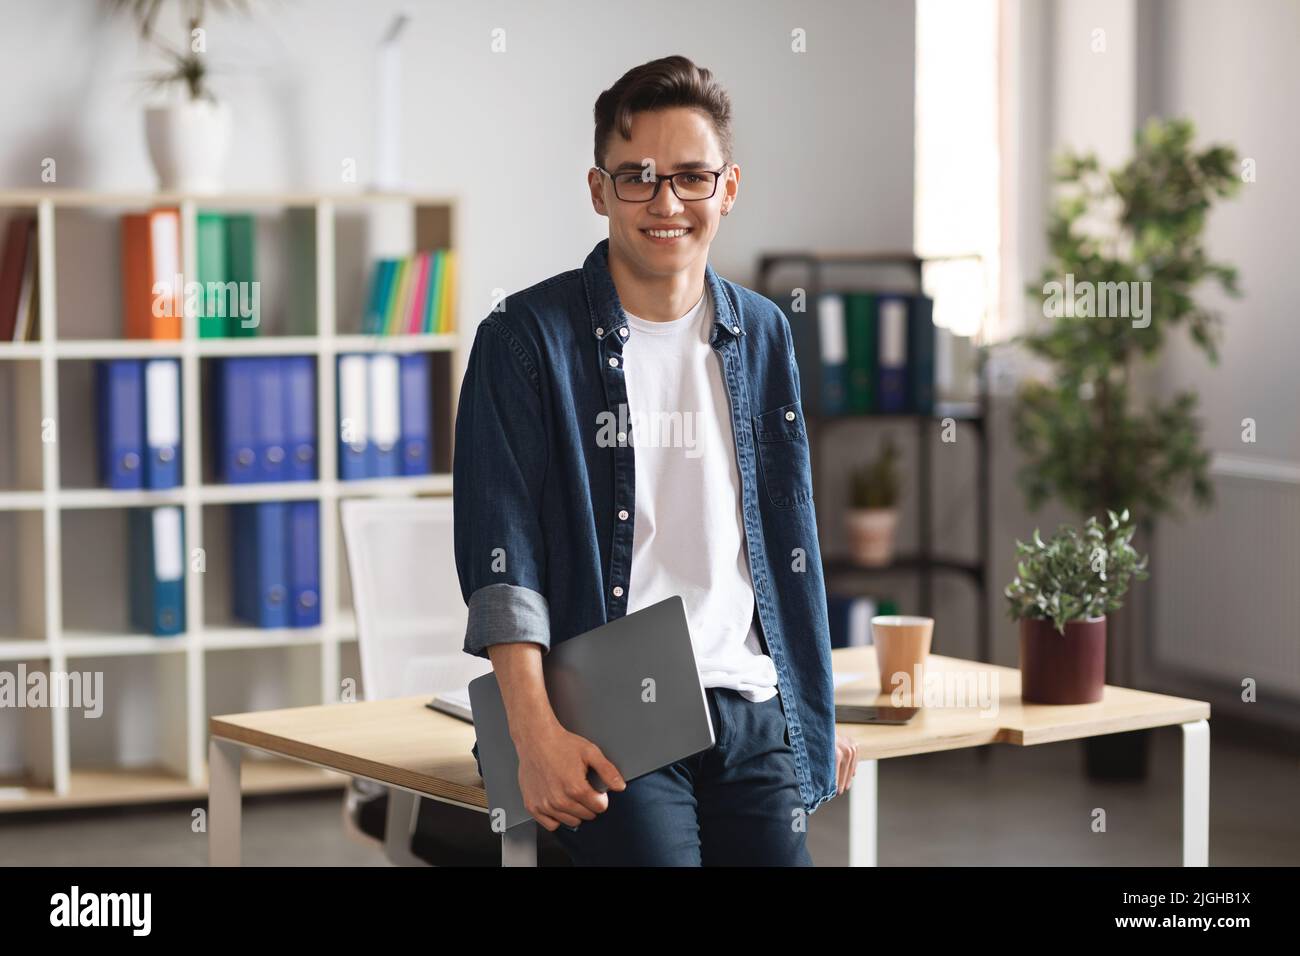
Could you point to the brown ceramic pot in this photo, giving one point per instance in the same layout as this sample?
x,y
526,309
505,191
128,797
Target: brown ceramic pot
x,y
1058,668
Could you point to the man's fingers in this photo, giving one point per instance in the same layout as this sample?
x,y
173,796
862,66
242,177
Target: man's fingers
x,y
606,770
549,822
569,814
588,800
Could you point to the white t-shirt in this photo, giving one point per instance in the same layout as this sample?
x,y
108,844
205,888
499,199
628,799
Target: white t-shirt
x,y
689,538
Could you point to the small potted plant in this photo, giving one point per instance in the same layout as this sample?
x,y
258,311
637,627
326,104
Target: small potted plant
x,y
1063,589
189,134
873,512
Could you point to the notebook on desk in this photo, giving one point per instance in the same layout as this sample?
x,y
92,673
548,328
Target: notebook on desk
x,y
631,687
453,702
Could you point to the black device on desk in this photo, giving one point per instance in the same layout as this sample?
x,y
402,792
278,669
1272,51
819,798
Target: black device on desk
x,y
871,714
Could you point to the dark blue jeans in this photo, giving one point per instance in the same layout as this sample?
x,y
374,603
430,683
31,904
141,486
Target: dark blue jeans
x,y
735,804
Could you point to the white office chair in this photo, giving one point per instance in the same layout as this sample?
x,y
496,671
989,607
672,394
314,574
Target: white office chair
x,y
410,626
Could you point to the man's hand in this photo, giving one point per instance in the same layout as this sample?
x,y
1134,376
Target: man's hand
x,y
846,763
553,777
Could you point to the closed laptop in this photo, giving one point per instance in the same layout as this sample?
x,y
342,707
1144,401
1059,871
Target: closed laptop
x,y
631,687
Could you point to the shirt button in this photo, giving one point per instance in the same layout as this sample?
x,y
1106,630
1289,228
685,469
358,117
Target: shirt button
x,y
599,330
736,329
789,416
622,515
618,591
613,362
623,332
622,437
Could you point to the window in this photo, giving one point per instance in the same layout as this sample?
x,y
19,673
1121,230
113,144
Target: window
x,y
957,196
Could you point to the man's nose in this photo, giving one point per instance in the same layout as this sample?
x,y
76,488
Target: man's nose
x,y
665,202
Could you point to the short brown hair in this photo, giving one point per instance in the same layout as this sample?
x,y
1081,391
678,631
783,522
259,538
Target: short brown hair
x,y
662,84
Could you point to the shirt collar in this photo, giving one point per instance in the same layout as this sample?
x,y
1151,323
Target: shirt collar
x,y
607,315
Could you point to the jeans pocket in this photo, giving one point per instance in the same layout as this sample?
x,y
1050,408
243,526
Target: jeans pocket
x,y
783,455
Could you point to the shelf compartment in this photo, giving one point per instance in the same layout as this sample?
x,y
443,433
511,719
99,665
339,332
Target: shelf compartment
x,y
256,374
23,340
365,233
88,268
80,440
239,680
22,423
22,581
140,719
96,571
26,735
223,628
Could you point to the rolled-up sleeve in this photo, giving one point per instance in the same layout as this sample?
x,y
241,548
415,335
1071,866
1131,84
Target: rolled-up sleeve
x,y
498,471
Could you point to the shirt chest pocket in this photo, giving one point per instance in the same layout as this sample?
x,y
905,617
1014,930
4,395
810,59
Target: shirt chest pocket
x,y
783,455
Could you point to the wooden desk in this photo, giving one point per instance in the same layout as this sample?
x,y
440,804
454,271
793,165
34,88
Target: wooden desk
x,y
421,753
1007,720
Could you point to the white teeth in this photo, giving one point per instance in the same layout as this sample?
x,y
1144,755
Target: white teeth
x,y
667,233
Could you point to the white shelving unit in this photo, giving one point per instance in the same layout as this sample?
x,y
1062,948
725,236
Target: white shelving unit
x,y
56,757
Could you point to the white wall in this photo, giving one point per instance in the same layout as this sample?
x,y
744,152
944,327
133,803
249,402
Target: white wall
x,y
823,138
1229,608
1238,76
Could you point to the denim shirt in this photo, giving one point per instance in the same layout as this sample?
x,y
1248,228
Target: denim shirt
x,y
541,551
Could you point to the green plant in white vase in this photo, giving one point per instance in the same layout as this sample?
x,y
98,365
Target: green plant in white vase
x,y
189,133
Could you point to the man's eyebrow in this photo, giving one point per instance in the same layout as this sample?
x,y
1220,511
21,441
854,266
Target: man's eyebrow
x,y
681,167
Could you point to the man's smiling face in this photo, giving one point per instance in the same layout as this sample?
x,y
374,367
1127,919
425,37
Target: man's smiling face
x,y
665,235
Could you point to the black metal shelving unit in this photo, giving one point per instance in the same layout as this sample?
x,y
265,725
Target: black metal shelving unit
x,y
924,563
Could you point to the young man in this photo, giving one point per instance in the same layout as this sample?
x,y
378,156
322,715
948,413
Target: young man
x,y
705,490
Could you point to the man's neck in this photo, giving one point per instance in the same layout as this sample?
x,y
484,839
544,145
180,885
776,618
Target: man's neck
x,y
656,298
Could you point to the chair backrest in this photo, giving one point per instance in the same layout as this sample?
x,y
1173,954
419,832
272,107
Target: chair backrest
x,y
410,614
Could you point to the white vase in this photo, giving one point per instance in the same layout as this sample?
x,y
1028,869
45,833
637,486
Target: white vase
x,y
188,144
871,535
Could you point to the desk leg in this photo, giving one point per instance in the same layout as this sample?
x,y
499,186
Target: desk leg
x,y
519,845
399,827
1196,793
862,815
224,807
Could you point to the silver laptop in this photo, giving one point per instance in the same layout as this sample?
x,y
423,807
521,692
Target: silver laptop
x,y
631,687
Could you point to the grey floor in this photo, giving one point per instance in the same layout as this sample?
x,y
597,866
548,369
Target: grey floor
x,y
1022,806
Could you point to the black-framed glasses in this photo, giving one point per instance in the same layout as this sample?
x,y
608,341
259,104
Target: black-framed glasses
x,y
690,185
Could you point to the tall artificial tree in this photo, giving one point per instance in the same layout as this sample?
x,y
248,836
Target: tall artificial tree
x,y
1086,438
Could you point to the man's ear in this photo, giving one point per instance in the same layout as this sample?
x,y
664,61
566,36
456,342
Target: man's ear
x,y
730,186
596,185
